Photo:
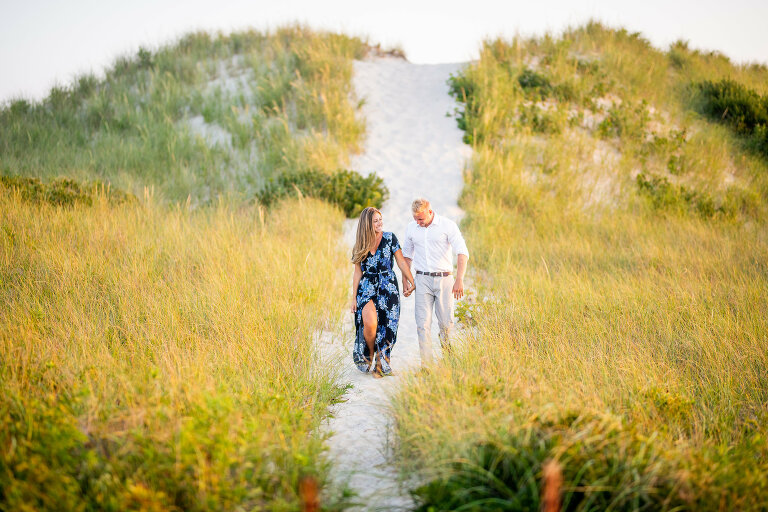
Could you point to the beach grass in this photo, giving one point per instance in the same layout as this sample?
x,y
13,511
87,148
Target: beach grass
x,y
154,358
207,115
156,334
619,249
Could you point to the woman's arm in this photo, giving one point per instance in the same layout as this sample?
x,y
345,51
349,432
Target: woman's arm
x,y
356,275
405,268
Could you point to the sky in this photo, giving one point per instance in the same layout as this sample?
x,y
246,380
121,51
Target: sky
x,y
49,42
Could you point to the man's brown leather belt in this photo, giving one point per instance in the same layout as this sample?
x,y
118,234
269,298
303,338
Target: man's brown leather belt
x,y
433,274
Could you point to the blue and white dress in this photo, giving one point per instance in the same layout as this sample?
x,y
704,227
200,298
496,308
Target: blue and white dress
x,y
379,284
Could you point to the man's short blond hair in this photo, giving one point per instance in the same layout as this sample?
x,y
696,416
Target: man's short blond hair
x,y
420,205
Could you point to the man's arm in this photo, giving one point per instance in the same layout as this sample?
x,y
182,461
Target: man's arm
x,y
461,269
408,246
408,266
459,246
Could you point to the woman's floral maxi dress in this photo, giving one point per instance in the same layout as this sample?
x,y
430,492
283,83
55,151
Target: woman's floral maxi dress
x,y
379,284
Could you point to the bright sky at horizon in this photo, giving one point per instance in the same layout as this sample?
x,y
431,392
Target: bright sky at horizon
x,y
46,42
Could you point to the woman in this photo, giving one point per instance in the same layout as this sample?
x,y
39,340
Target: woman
x,y
377,298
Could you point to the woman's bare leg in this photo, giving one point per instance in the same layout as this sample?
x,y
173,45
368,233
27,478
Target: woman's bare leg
x,y
370,323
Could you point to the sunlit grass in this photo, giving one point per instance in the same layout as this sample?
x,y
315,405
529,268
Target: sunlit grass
x,y
620,333
151,355
280,100
155,346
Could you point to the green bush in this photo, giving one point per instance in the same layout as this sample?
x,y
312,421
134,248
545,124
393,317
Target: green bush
x,y
347,189
605,467
758,142
48,461
541,120
663,195
63,191
730,102
679,54
667,148
744,110
462,88
530,80
144,58
42,446
625,120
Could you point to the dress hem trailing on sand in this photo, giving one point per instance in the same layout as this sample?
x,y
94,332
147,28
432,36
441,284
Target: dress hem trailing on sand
x,y
378,283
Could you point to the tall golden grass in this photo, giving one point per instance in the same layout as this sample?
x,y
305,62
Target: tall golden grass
x,y
157,354
153,357
626,340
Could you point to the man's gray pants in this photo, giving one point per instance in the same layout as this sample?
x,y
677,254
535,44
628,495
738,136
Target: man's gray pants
x,y
433,293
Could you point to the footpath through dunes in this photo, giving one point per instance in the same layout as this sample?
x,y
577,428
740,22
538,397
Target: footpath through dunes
x,y
418,150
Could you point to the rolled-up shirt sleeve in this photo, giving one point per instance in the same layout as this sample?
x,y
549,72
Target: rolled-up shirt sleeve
x,y
457,242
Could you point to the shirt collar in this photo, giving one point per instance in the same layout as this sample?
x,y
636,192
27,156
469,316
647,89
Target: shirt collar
x,y
435,222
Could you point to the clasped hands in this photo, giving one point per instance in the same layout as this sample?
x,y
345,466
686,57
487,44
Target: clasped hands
x,y
408,287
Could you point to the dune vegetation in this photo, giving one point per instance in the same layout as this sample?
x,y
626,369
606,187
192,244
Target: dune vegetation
x,y
156,331
619,246
156,337
201,118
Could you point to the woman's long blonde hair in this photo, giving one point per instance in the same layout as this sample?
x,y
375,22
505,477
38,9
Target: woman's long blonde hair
x,y
366,236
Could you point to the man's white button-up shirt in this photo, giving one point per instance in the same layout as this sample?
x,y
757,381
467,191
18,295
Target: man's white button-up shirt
x,y
430,247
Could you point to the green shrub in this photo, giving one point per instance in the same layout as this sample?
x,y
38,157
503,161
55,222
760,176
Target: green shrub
x,y
41,447
567,91
605,464
63,191
663,195
667,148
542,121
605,467
588,66
462,88
145,59
531,81
744,110
679,54
347,189
758,141
676,165
625,120
49,463
730,102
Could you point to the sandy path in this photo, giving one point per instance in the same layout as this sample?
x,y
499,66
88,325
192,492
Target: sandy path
x,y
417,150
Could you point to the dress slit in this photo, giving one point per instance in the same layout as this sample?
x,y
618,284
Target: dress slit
x,y
378,284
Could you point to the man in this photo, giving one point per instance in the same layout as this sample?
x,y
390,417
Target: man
x,y
428,242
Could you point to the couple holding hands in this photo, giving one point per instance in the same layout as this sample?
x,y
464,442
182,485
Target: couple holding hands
x,y
428,242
